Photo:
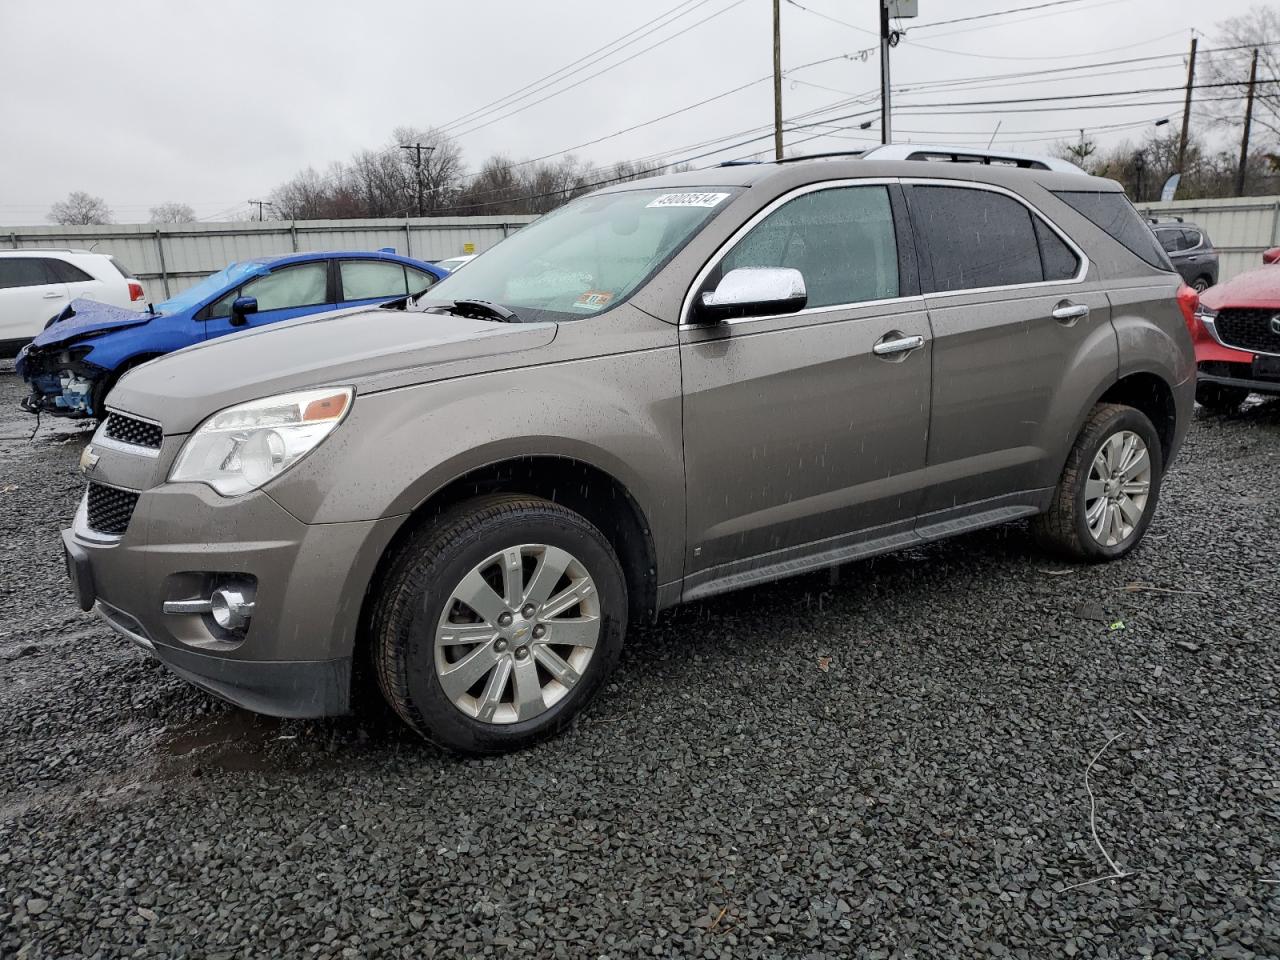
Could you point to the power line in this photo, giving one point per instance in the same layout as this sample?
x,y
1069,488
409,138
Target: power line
x,y
986,16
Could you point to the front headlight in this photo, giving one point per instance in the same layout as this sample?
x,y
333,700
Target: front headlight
x,y
242,447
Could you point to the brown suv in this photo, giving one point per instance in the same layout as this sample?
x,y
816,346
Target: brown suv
x,y
659,392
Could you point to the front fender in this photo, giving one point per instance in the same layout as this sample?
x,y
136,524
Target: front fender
x,y
620,414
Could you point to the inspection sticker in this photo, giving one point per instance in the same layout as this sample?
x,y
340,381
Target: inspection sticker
x,y
687,200
593,300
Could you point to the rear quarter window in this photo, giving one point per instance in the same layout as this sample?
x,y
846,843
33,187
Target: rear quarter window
x,y
64,272
1112,212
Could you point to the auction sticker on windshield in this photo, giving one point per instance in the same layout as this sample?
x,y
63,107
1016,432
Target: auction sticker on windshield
x,y
687,200
593,300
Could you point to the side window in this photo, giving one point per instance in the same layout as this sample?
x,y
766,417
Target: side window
x,y
301,285
23,272
976,238
1171,240
418,280
63,272
223,307
1114,214
365,279
841,239
1060,261
1190,239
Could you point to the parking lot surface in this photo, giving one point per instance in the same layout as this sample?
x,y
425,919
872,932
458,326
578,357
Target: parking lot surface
x,y
887,763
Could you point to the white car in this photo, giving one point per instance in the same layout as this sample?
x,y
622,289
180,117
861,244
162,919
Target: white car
x,y
36,284
454,263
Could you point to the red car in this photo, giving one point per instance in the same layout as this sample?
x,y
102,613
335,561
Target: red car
x,y
1237,337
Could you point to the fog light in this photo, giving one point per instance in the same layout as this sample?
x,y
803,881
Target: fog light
x,y
231,607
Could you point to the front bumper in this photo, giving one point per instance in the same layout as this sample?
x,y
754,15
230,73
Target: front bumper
x,y
294,659
1243,375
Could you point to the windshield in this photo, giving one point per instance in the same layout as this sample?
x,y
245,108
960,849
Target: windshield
x,y
586,257
213,284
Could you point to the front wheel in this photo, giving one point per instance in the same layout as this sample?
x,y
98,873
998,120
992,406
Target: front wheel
x,y
494,624
1109,488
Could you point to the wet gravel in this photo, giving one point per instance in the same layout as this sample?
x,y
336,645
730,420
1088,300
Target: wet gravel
x,y
891,763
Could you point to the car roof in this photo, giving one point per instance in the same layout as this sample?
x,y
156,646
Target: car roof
x,y
45,251
799,171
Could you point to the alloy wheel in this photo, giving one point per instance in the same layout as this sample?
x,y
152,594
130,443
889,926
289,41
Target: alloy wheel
x,y
517,633
1115,495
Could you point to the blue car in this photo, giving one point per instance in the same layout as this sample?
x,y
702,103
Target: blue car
x,y
74,362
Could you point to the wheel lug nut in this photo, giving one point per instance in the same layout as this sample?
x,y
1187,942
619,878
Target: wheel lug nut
x,y
528,611
500,645
539,632
521,653
504,620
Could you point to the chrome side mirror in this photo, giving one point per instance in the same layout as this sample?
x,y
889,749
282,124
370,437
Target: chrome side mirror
x,y
752,292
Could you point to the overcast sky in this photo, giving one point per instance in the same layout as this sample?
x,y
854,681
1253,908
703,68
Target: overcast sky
x,y
214,103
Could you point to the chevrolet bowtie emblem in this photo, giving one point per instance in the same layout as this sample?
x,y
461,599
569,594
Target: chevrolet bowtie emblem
x,y
88,460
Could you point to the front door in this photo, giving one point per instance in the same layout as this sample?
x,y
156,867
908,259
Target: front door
x,y
800,439
286,292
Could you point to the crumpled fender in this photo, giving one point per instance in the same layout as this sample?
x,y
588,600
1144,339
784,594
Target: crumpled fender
x,y
82,316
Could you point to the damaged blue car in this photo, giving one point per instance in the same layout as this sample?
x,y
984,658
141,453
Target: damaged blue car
x,y
73,363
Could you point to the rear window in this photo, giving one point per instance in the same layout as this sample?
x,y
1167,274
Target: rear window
x,y
1113,213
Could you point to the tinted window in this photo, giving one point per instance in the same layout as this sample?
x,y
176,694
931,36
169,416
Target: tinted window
x,y
418,279
365,279
223,307
842,241
23,272
1059,260
1191,239
1113,213
1169,239
64,272
976,238
301,285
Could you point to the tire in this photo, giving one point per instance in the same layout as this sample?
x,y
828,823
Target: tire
x,y
1219,397
416,610
1201,283
1065,528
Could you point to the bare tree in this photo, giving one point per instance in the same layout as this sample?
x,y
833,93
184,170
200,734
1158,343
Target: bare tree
x,y
1244,33
80,209
171,211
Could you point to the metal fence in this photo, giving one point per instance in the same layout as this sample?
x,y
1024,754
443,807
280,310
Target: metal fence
x,y
1240,228
172,257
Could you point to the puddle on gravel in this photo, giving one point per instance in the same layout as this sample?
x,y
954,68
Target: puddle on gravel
x,y
234,741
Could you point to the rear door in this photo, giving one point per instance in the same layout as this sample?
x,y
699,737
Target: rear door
x,y
1020,337
29,296
290,291
798,436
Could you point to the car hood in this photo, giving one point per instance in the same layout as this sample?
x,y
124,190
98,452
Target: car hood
x,y
82,316
1257,290
370,349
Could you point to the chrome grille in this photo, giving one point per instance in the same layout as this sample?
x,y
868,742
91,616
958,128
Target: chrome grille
x,y
1250,329
127,429
110,508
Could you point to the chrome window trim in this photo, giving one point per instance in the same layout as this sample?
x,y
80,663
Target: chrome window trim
x,y
1035,211
727,247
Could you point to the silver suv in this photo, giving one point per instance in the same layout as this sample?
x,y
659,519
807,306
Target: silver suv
x,y
661,391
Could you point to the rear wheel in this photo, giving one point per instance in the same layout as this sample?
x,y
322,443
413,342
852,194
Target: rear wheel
x,y
1109,488
1201,283
1220,397
497,622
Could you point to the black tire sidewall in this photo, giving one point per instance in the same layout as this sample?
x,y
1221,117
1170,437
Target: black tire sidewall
x,y
441,719
1125,419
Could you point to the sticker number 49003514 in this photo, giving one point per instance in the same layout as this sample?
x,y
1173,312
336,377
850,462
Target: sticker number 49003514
x,y
687,200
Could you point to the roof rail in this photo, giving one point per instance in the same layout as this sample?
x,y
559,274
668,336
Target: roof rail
x,y
737,163
851,154
1158,219
45,250
948,154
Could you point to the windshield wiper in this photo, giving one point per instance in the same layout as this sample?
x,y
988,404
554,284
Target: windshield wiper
x,y
479,310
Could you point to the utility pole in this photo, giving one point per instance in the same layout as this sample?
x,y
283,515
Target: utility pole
x,y
886,133
417,149
1186,108
260,204
1248,119
777,79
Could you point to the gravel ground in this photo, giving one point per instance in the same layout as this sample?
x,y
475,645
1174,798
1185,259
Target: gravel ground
x,y
891,764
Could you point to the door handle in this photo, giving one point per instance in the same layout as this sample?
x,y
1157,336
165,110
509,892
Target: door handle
x,y
895,343
1068,313
52,295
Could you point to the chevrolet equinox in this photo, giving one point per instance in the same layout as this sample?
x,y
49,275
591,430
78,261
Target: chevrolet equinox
x,y
663,390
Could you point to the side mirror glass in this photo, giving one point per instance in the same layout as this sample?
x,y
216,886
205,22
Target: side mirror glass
x,y
752,292
1271,256
240,308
